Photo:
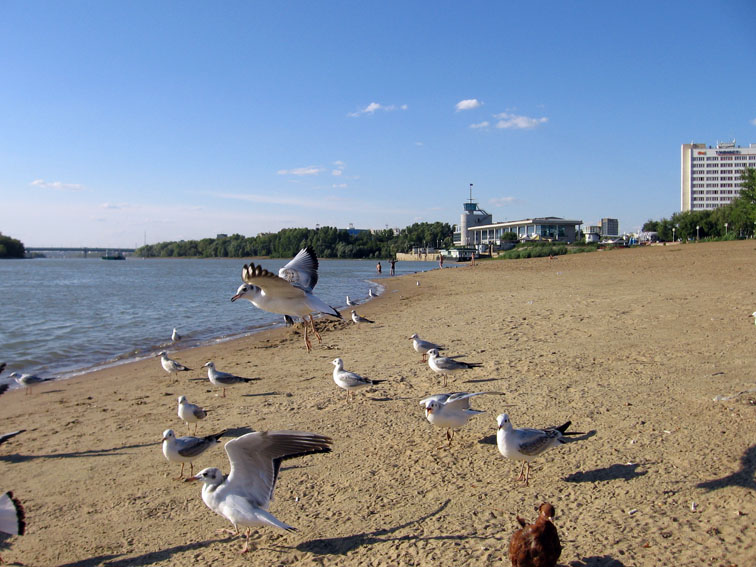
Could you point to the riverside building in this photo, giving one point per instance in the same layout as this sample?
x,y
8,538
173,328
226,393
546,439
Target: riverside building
x,y
710,177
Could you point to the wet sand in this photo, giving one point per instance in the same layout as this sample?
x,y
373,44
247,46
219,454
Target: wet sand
x,y
632,346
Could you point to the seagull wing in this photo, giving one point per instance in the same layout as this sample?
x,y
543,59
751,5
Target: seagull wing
x,y
270,283
461,400
441,398
302,271
256,459
12,519
194,446
535,441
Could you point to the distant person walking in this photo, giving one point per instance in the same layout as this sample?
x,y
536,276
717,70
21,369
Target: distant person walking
x,y
378,268
440,260
392,263
472,259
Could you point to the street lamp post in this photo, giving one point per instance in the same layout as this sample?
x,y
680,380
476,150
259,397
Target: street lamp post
x,y
697,227
726,229
673,233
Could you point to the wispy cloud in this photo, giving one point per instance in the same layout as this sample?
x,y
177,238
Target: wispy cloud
x,y
484,124
517,122
338,168
504,201
753,121
56,185
374,107
301,171
468,104
114,206
340,186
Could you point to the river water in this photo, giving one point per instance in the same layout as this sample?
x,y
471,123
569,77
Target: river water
x,y
62,317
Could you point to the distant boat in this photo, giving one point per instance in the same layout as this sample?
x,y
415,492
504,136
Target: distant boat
x,y
117,256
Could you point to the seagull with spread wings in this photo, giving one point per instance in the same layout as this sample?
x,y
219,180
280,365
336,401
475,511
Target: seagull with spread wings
x,y
289,293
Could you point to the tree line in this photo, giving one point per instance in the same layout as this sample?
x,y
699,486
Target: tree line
x,y
734,220
11,248
328,242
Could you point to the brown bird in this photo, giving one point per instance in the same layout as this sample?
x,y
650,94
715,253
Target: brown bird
x,y
536,545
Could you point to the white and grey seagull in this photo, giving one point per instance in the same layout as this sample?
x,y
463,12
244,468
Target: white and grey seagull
x,y
359,320
423,346
526,444
350,302
186,449
451,411
371,293
175,336
288,293
349,380
223,379
243,496
28,380
447,364
190,413
170,365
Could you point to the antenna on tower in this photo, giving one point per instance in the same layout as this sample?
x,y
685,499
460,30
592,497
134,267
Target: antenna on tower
x,y
471,200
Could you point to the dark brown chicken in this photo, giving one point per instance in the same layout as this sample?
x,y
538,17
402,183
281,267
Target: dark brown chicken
x,y
536,545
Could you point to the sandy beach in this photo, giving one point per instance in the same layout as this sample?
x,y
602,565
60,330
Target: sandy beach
x,y
633,346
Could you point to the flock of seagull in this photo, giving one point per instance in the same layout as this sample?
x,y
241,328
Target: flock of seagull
x,y
243,496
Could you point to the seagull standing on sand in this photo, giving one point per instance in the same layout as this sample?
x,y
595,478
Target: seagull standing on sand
x,y
422,346
754,317
446,364
243,497
349,302
28,380
175,336
359,319
536,545
451,411
170,365
371,293
526,444
185,449
223,379
349,380
190,413
289,292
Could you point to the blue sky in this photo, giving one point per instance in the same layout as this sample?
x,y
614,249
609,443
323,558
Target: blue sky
x,y
181,120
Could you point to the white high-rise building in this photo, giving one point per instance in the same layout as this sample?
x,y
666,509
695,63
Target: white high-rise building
x,y
710,177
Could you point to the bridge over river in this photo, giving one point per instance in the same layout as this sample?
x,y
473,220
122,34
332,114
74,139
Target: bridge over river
x,y
84,251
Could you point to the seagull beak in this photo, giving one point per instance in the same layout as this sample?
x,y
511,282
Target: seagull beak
x,y
237,296
428,411
191,479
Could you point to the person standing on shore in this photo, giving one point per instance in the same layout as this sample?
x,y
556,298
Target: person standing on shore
x,y
378,268
440,260
472,259
392,264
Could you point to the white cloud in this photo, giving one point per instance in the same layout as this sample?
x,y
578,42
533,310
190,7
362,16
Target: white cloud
x,y
340,186
484,124
114,206
419,144
373,107
468,104
504,201
336,172
56,185
753,121
309,170
516,122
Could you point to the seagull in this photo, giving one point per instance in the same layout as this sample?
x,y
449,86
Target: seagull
x,y
185,449
243,497
450,410
175,336
289,292
422,346
371,293
754,317
349,380
170,365
28,380
223,379
190,413
447,364
526,444
359,319
350,302
5,437
537,544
